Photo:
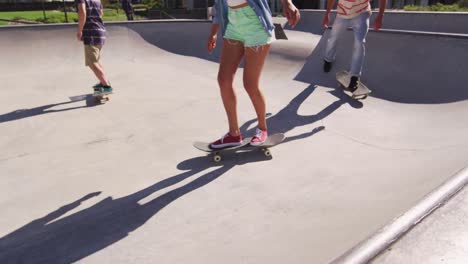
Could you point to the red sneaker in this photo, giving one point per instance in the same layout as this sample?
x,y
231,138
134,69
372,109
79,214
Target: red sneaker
x,y
227,141
260,137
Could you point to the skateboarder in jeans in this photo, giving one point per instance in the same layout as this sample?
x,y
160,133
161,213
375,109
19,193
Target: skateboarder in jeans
x,y
248,30
355,14
92,32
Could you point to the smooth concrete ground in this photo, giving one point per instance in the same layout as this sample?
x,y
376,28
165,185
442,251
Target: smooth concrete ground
x,y
121,182
441,238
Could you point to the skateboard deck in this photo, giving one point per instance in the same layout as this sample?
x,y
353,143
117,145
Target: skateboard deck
x,y
343,78
271,141
101,98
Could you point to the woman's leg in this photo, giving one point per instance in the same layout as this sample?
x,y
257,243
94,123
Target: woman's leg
x,y
254,61
231,55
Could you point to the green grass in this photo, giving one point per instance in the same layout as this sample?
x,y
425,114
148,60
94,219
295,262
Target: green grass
x,y
58,16
27,15
112,15
37,16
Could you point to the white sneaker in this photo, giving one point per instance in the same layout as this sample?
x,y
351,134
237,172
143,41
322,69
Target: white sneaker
x,y
360,91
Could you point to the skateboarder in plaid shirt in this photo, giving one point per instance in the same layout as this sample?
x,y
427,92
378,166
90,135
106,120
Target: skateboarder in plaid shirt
x,y
355,14
92,32
248,30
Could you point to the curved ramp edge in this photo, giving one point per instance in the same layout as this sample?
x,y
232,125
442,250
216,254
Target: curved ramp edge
x,y
371,247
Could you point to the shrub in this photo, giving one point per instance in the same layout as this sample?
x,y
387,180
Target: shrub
x,y
463,3
437,7
413,8
158,4
19,18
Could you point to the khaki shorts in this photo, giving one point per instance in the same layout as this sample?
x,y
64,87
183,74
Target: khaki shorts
x,y
92,54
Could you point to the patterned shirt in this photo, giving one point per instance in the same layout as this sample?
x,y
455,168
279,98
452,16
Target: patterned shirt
x,y
94,32
352,8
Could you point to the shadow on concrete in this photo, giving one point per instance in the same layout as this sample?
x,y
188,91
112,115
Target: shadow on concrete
x,y
71,238
191,41
52,239
45,109
288,118
312,71
403,68
399,67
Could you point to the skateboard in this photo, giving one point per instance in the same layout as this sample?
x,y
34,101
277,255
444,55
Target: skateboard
x,y
271,141
101,98
343,78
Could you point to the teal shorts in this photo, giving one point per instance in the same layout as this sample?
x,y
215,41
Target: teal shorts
x,y
245,26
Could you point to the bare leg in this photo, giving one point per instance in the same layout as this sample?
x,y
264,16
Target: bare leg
x,y
254,61
99,72
231,55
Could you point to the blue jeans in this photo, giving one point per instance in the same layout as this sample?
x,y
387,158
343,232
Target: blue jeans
x,y
360,25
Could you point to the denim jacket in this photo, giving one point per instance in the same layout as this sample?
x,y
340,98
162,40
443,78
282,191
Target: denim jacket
x,y
261,8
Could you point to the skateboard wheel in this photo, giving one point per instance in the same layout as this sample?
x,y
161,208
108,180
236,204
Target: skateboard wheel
x,y
267,153
216,158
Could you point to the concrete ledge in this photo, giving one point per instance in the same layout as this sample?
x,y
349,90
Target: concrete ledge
x,y
399,12
383,238
420,33
444,22
59,25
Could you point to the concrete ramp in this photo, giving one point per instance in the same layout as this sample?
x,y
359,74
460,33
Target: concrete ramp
x,y
121,182
403,67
